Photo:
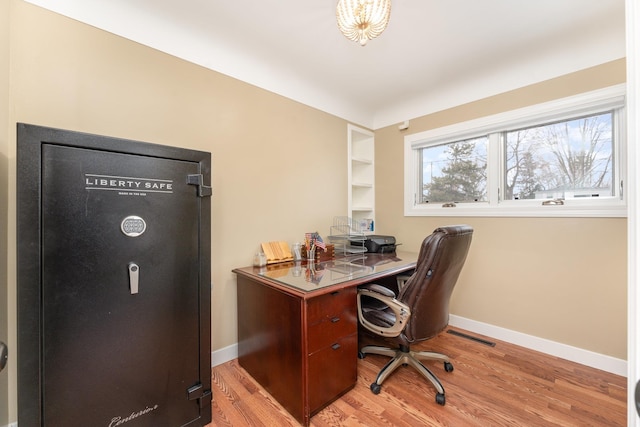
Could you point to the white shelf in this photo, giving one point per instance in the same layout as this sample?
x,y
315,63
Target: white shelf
x,y
362,160
361,176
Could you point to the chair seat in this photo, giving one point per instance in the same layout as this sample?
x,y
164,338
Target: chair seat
x,y
382,318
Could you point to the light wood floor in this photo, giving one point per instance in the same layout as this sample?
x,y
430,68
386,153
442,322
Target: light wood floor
x,y
504,385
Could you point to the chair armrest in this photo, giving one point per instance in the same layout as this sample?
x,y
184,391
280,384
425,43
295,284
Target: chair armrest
x,y
401,311
378,289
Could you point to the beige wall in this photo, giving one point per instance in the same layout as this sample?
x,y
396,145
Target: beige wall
x,y
563,279
4,188
279,167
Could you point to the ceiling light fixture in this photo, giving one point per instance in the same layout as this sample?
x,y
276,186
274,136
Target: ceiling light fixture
x,y
362,20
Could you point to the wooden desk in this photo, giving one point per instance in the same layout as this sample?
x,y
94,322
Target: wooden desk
x,y
298,326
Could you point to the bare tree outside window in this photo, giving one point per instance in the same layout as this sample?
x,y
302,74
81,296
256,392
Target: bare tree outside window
x,y
561,160
455,172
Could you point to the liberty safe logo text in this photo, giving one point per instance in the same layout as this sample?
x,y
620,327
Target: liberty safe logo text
x,y
127,186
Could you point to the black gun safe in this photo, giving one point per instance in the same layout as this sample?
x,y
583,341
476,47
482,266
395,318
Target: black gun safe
x,y
114,282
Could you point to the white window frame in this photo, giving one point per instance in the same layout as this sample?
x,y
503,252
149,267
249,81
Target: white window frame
x,y
594,102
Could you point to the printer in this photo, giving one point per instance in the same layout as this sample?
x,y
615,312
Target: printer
x,y
376,243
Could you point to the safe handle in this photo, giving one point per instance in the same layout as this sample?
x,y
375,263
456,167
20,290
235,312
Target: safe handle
x,y
134,274
4,355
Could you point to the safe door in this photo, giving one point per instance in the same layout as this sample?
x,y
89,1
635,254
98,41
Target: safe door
x,y
113,282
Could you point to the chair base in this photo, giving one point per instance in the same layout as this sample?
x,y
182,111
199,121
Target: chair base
x,y
406,356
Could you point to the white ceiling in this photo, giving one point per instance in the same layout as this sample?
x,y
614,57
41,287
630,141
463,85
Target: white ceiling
x,y
433,55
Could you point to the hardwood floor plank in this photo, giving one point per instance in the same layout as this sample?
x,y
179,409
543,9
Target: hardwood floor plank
x,y
504,385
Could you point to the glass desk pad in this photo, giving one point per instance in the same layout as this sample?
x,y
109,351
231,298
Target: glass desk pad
x,y
313,276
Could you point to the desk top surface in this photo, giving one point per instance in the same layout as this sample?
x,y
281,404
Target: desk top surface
x,y
314,276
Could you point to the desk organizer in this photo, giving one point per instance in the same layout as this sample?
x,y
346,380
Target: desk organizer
x,y
344,232
321,255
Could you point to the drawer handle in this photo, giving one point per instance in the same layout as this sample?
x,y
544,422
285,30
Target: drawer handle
x,y
335,319
335,346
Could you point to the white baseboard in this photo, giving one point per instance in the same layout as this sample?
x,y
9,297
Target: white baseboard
x,y
574,354
223,355
563,351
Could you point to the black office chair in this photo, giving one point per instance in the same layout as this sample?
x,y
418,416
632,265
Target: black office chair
x,y
419,311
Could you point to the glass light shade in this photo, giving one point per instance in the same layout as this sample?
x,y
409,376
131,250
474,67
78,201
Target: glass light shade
x,y
363,20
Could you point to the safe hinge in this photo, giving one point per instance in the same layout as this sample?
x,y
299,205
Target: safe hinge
x,y
197,392
197,179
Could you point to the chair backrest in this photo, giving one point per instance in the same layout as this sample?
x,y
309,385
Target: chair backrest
x,y
428,291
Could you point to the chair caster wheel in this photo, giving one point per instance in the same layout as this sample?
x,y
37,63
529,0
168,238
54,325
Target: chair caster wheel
x,y
440,399
361,355
448,366
375,388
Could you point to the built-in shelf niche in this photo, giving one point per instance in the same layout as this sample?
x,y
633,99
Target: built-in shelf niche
x,y
361,176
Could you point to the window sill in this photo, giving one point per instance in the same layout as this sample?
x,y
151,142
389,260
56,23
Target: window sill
x,y
569,210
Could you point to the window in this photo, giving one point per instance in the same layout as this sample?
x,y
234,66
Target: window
x,y
568,159
454,172
563,158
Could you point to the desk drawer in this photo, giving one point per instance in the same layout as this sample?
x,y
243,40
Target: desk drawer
x,y
328,331
332,371
330,305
